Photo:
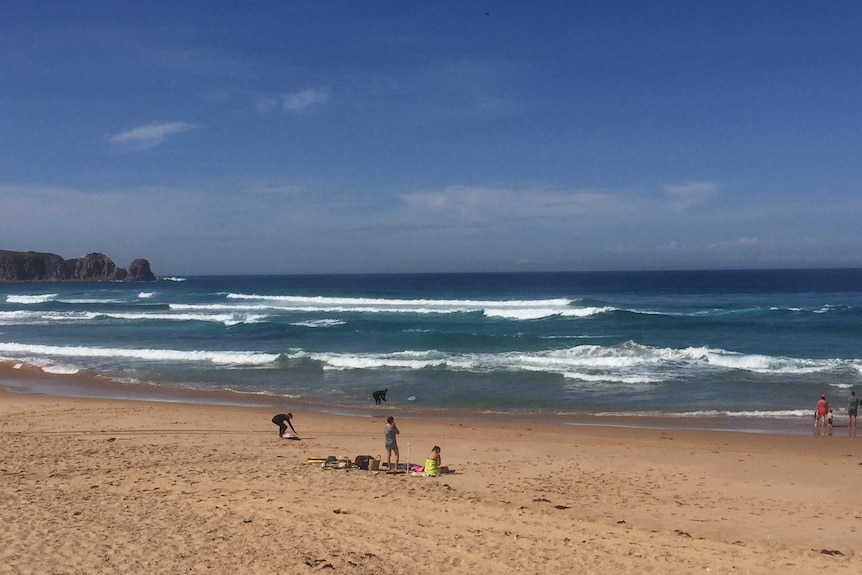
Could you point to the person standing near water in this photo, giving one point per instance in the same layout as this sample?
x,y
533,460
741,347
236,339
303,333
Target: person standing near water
x,y
820,413
390,431
852,410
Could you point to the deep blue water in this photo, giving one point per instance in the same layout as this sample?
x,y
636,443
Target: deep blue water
x,y
742,343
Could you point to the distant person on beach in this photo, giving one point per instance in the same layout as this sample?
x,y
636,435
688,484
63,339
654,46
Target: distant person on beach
x,y
282,420
390,430
829,421
379,395
820,413
852,409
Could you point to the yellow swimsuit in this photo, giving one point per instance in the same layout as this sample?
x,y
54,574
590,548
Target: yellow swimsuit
x,y
431,467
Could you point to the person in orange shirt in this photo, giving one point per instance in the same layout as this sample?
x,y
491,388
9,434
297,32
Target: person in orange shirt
x,y
820,414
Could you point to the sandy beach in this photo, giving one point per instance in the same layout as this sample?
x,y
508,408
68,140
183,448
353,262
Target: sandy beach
x,y
110,486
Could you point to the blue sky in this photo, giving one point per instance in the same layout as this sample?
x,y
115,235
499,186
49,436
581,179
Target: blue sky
x,y
341,137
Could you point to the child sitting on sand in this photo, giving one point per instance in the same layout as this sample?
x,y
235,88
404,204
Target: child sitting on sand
x,y
432,467
432,462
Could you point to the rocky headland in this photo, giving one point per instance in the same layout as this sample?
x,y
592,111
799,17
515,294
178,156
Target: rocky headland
x,y
94,267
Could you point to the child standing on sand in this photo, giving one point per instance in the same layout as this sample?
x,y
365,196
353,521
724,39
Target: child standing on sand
x,y
390,430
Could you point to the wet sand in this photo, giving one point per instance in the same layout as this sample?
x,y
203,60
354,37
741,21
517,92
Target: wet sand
x,y
29,379
198,485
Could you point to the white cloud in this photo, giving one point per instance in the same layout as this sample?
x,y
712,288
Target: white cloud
x,y
747,241
476,203
298,102
690,194
740,242
149,135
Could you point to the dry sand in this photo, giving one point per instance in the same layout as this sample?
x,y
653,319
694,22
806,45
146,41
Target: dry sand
x,y
112,486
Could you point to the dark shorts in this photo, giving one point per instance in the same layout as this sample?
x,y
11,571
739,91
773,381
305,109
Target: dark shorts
x,y
851,411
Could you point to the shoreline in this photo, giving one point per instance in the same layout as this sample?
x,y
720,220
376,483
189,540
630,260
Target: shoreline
x,y
19,377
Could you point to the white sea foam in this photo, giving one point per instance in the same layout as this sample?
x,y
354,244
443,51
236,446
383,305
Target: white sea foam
x,y
317,300
61,369
611,378
42,318
220,307
759,363
514,310
630,363
528,313
319,323
16,316
506,309
521,314
172,355
768,364
584,336
86,301
820,310
227,319
318,309
560,361
398,360
173,279
753,414
31,299
146,294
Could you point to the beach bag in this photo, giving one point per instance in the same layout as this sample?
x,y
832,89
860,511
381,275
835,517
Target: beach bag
x,y
374,464
361,461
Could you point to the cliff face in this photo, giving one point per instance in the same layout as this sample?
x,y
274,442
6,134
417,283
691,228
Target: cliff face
x,y
32,266
36,266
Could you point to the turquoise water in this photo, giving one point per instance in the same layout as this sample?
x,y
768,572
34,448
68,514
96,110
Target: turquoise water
x,y
748,344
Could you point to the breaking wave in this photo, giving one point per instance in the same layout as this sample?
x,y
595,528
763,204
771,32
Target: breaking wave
x,y
236,358
31,299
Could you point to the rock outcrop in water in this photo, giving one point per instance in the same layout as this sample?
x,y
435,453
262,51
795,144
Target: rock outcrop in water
x,y
95,267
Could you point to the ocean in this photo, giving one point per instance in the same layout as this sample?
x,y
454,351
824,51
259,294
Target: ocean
x,y
748,350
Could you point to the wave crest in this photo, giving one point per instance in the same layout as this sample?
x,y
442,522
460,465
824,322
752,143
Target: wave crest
x,y
31,299
156,355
